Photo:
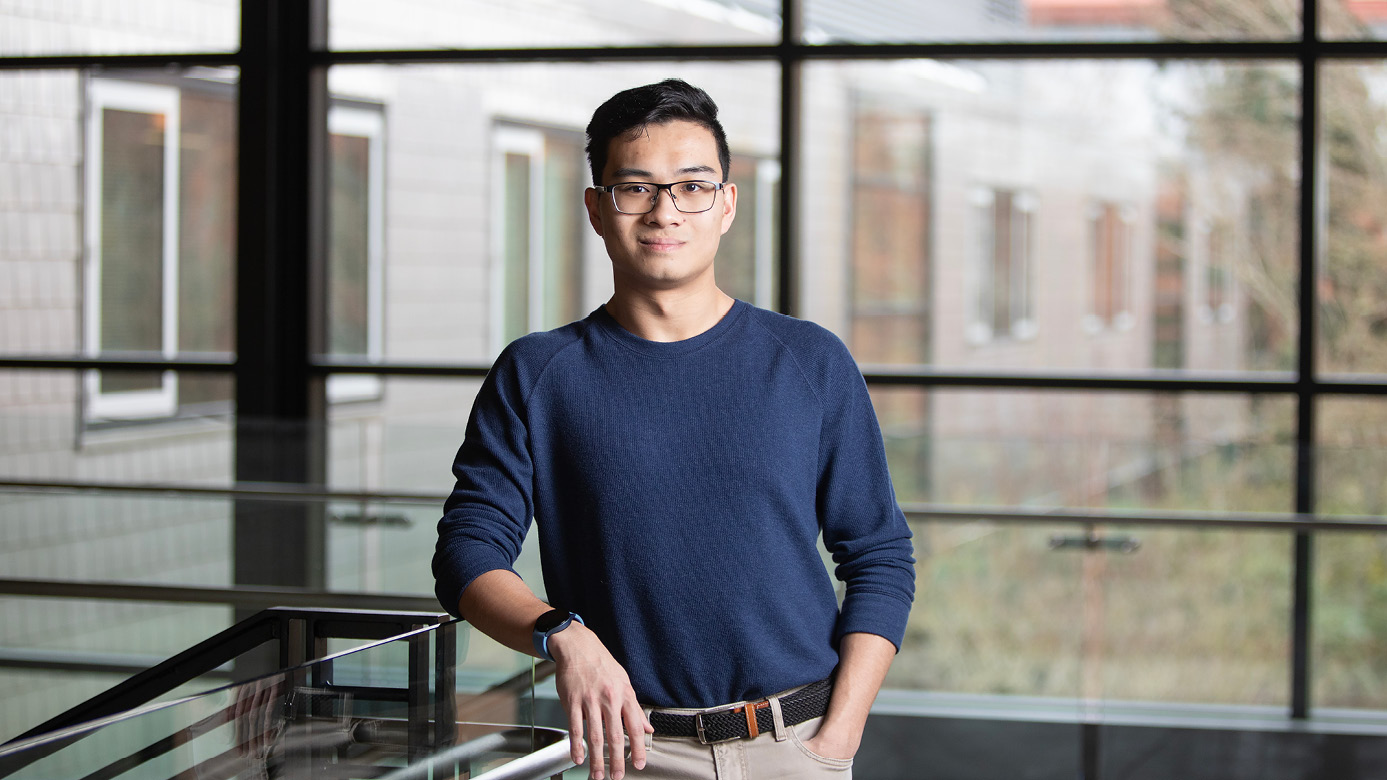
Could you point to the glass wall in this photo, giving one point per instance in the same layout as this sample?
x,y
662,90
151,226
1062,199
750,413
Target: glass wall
x,y
1079,281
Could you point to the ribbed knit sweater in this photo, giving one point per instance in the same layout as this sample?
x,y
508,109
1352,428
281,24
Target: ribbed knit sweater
x,y
679,490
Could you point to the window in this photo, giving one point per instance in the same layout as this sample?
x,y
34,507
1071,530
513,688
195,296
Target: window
x,y
1002,258
131,279
891,237
356,267
1110,247
161,242
539,230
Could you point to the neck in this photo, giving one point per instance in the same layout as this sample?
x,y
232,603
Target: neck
x,y
668,315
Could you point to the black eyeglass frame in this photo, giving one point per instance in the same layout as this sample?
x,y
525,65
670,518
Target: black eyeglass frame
x,y
655,198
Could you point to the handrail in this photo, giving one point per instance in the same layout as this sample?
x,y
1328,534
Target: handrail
x,y
231,643
550,761
918,511
246,596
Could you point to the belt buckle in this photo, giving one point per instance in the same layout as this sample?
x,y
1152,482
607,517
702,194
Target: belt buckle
x,y
698,723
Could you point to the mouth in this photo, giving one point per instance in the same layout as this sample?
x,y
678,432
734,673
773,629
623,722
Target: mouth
x,y
661,244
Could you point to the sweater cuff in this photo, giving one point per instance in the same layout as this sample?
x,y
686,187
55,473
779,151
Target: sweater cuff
x,y
871,612
465,565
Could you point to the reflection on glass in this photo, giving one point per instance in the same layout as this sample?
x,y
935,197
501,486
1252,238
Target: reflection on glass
x,y
480,24
1067,215
132,636
362,713
895,21
1108,450
159,219
1353,281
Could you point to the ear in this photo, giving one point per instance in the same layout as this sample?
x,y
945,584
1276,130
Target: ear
x,y
592,200
729,205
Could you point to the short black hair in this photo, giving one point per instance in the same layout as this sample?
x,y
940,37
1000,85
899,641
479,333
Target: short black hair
x,y
631,110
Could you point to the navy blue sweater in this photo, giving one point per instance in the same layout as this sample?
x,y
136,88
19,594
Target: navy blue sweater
x,y
680,489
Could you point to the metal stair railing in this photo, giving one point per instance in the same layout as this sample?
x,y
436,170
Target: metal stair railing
x,y
301,636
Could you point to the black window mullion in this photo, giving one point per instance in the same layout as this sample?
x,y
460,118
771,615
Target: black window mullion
x,y
1306,384
280,401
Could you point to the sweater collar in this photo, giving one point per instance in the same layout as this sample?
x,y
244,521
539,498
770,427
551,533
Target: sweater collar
x,y
667,349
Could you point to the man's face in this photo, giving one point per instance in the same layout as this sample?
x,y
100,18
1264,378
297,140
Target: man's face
x,y
665,249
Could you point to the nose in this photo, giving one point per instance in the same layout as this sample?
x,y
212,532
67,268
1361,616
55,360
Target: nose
x,y
664,211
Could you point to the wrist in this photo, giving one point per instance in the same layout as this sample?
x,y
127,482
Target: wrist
x,y
550,625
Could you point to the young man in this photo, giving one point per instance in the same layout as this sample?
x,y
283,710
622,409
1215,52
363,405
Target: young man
x,y
681,453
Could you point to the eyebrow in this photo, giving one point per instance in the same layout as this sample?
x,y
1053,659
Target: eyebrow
x,y
621,173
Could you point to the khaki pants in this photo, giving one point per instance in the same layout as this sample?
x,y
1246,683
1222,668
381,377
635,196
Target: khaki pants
x,y
778,754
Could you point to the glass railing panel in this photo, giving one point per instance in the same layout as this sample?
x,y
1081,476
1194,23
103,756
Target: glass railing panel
x,y
349,715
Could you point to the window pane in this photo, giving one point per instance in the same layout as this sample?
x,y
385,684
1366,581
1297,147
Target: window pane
x,y
1191,616
1120,451
894,21
484,235
1353,19
978,632
39,441
159,216
479,24
1353,285
348,297
1350,587
207,219
1086,216
407,444
132,230
81,27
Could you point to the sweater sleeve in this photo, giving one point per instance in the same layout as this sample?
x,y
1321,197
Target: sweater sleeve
x,y
863,527
486,517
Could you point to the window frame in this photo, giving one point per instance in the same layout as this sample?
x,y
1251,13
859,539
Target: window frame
x,y
1122,223
137,97
982,252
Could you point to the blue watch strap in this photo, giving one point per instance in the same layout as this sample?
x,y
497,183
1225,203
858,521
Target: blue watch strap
x,y
541,638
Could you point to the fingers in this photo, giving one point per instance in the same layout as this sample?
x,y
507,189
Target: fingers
x,y
575,733
616,740
636,729
596,742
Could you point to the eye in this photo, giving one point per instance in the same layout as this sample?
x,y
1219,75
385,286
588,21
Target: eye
x,y
693,187
633,189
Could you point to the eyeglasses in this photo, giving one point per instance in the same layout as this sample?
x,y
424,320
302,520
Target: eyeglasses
x,y
640,197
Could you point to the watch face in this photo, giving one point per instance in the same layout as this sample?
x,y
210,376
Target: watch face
x,y
551,620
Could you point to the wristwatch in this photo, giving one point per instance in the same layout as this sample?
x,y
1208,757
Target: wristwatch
x,y
549,624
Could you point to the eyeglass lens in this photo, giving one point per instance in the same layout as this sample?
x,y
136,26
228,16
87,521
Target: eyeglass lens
x,y
638,197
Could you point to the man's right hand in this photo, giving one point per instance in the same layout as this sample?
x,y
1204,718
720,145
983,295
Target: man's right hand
x,y
602,709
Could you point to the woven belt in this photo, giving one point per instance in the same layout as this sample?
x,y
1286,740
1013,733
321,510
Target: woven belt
x,y
742,721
